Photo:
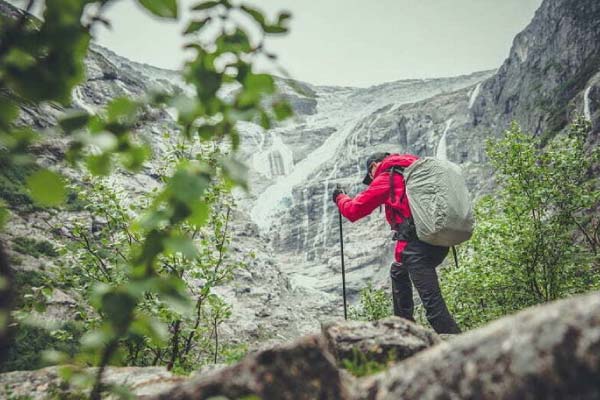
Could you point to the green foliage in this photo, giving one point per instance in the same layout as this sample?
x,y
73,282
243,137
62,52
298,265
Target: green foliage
x,y
24,282
374,305
29,342
534,239
47,188
360,365
4,214
34,247
233,353
13,189
161,8
132,274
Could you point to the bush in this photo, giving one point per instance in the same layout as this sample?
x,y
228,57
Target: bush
x,y
28,343
374,305
34,248
534,238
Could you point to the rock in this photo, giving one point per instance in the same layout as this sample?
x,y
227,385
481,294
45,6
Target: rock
x,y
302,370
40,384
545,352
389,339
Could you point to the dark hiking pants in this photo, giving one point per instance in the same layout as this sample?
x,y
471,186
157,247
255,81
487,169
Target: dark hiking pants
x,y
419,261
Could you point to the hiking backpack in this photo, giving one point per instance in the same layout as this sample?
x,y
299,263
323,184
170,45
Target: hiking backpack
x,y
439,202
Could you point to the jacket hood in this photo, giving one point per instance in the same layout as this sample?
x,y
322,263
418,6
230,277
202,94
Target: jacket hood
x,y
395,160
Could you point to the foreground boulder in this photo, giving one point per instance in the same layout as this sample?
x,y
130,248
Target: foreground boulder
x,y
302,370
545,352
390,339
46,383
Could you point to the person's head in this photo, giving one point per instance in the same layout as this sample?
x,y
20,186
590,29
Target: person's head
x,y
372,164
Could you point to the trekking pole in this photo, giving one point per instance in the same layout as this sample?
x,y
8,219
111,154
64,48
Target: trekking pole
x,y
343,267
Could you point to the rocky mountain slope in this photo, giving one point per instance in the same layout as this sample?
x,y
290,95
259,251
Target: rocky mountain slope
x,y
551,74
288,219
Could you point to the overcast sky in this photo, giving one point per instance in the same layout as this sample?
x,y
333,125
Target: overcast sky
x,y
351,42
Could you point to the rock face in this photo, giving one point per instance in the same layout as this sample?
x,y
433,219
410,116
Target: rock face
x,y
553,65
391,339
545,352
304,370
552,72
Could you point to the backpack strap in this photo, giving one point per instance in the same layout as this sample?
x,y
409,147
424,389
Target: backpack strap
x,y
393,170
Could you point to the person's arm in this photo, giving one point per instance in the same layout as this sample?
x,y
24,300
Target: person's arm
x,y
365,202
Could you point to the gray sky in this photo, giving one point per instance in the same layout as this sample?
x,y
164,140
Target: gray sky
x,y
351,42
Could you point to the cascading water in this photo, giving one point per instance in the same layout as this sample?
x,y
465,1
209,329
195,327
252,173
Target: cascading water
x,y
442,148
474,95
586,104
277,160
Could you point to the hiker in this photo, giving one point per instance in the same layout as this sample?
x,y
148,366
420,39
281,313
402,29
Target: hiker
x,y
416,261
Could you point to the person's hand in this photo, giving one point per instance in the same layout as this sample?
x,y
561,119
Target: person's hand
x,y
338,190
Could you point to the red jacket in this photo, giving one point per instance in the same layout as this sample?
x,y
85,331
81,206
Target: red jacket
x,y
378,193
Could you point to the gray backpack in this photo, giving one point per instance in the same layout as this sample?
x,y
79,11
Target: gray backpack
x,y
439,202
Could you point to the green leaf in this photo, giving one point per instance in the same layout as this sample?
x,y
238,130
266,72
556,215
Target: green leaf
x,y
173,292
200,213
282,110
181,244
95,339
118,307
47,188
283,17
121,110
161,8
8,112
255,14
133,159
19,59
265,120
236,171
155,330
205,5
260,83
74,120
196,25
275,29
188,186
54,357
99,164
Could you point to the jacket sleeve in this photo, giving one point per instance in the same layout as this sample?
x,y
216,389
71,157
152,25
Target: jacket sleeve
x,y
365,202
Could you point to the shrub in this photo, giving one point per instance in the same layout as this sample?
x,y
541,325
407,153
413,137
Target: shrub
x,y
534,240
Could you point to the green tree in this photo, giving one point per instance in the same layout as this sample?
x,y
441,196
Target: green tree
x,y
536,236
42,61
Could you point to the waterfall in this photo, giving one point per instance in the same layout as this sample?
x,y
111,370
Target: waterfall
x,y
442,150
474,95
277,160
306,223
586,104
273,197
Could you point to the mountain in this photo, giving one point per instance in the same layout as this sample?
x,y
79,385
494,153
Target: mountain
x,y
552,72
